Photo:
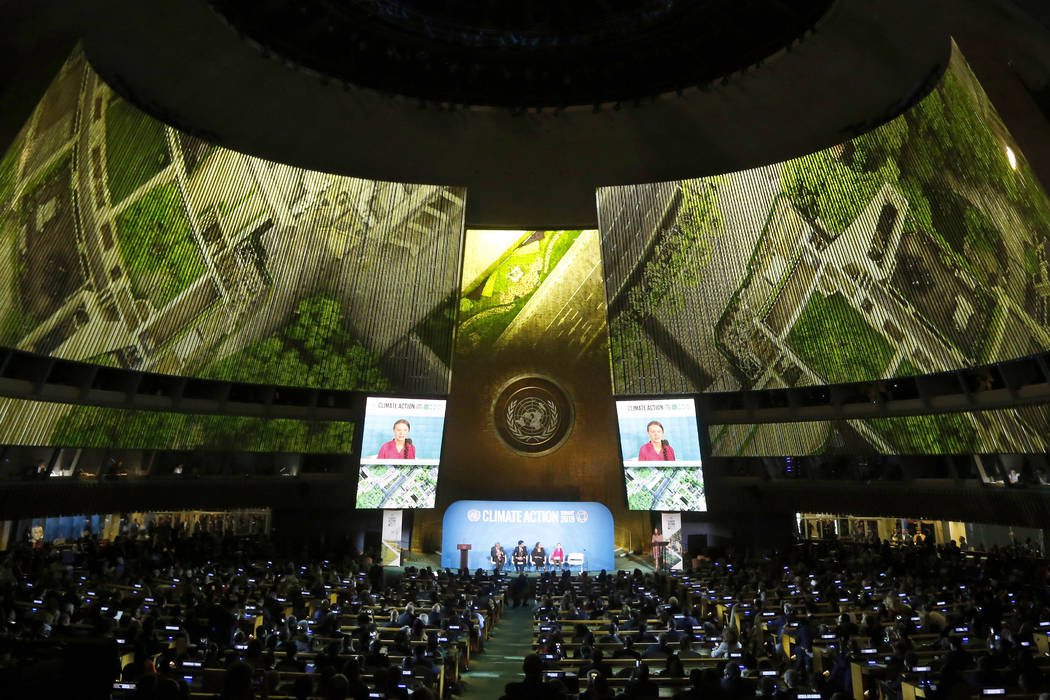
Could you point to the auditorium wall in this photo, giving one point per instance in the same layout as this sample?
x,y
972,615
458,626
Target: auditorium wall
x,y
32,423
920,246
1019,430
531,314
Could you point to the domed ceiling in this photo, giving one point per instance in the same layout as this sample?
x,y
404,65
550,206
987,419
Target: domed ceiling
x,y
527,55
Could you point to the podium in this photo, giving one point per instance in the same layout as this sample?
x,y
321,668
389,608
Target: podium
x,y
464,550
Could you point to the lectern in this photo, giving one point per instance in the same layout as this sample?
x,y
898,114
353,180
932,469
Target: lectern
x,y
464,549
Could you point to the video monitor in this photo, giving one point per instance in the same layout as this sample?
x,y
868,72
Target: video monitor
x,y
660,447
400,452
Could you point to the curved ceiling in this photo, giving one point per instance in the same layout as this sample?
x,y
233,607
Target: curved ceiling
x,y
182,61
524,55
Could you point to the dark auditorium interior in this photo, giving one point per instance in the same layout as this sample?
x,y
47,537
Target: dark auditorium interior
x,y
364,349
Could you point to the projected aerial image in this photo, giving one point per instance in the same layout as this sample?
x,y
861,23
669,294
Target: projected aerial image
x,y
1020,430
126,242
921,246
522,285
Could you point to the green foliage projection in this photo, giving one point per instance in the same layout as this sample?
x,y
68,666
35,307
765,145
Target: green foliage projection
x,y
640,500
311,351
821,186
160,254
93,426
485,312
834,339
8,168
314,350
932,434
136,149
678,255
948,162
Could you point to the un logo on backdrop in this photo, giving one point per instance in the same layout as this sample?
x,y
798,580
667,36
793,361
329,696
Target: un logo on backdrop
x,y
532,415
473,515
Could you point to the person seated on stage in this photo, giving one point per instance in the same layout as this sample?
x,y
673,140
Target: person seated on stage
x,y
520,556
539,557
498,557
557,557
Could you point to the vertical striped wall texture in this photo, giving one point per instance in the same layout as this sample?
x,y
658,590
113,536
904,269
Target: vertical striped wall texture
x,y
35,423
126,242
1022,430
917,247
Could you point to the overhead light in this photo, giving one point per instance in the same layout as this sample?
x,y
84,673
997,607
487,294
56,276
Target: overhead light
x,y
1012,157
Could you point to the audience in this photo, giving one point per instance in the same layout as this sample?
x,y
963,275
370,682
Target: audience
x,y
168,611
947,621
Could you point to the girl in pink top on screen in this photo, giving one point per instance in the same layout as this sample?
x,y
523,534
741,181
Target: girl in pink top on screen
x,y
401,446
657,449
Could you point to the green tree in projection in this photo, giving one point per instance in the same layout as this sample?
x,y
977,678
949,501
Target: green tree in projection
x,y
96,426
93,426
160,254
835,340
822,186
640,500
314,350
370,499
932,434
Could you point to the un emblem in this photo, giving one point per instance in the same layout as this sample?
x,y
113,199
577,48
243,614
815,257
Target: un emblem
x,y
473,515
532,415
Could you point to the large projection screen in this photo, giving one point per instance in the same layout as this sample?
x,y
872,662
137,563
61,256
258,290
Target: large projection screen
x,y
920,246
660,447
126,242
400,452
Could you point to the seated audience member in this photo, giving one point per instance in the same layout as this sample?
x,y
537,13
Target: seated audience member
x,y
534,685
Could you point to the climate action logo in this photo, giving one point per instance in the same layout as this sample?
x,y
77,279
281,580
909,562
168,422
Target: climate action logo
x,y
532,415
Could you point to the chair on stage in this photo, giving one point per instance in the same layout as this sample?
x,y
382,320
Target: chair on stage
x,y
575,559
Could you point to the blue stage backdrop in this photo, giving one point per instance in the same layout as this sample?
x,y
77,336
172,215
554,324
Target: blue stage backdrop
x,y
583,527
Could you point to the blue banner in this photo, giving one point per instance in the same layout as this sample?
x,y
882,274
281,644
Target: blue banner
x,y
584,528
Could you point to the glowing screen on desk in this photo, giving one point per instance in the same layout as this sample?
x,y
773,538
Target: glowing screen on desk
x,y
660,447
400,452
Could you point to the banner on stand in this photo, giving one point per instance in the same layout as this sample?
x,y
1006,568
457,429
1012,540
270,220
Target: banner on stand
x,y
672,532
391,555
